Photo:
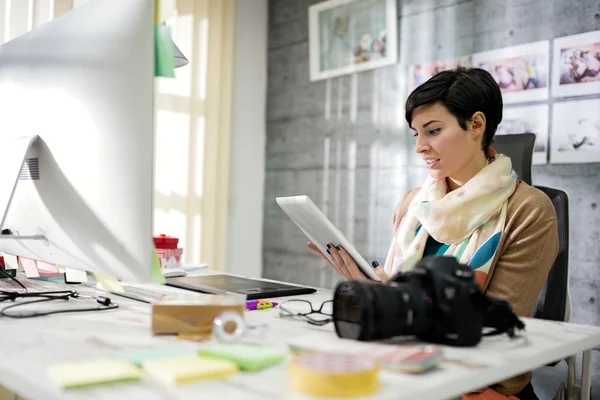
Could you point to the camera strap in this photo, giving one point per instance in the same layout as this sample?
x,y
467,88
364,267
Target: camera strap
x,y
498,314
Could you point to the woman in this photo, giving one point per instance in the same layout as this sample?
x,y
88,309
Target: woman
x,y
472,206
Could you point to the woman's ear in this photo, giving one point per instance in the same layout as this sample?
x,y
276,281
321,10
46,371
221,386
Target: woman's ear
x,y
477,125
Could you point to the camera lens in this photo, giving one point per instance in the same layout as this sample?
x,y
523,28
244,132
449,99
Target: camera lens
x,y
372,311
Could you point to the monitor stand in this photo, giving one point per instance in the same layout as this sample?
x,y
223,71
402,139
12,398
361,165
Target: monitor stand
x,y
11,165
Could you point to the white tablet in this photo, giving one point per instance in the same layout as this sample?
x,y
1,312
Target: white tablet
x,y
320,230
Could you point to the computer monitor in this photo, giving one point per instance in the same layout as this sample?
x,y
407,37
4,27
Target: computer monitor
x,y
84,84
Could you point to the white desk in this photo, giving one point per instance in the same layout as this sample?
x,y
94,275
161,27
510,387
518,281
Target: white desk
x,y
28,346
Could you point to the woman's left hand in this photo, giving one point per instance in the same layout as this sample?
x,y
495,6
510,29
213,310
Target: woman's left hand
x,y
345,265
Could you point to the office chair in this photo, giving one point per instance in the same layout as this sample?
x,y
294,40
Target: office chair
x,y
554,301
519,148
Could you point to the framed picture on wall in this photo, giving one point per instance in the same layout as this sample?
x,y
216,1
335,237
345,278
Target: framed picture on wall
x,y
347,36
528,119
522,72
576,69
575,132
420,73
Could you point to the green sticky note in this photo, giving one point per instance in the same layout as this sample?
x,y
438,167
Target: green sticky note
x,y
248,358
164,59
157,275
141,356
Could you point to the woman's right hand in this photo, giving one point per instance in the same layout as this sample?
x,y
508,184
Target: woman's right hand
x,y
345,265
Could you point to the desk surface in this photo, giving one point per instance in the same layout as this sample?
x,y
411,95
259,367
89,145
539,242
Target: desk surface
x,y
30,345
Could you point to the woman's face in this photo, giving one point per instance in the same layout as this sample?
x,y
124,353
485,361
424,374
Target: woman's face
x,y
447,149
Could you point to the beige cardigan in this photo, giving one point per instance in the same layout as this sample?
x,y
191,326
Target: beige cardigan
x,y
526,252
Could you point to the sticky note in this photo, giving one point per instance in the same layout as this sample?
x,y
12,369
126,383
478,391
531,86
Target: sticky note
x,y
47,267
30,267
82,374
75,275
109,283
157,275
10,262
164,59
248,358
164,9
141,356
172,371
44,276
157,6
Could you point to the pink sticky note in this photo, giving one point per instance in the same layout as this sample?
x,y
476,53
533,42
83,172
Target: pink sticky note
x,y
29,267
46,269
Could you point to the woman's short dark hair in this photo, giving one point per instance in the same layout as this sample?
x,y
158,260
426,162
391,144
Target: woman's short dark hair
x,y
463,91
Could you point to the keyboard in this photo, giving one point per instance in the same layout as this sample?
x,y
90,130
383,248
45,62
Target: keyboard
x,y
151,292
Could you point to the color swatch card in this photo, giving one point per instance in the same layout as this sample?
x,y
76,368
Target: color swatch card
x,y
30,267
141,356
82,374
248,358
173,371
10,261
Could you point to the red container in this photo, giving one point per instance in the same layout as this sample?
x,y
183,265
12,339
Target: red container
x,y
165,242
167,251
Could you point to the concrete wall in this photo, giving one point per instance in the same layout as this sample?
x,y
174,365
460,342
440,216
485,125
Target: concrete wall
x,y
245,214
344,141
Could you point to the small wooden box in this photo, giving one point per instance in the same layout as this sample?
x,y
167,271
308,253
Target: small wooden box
x,y
192,314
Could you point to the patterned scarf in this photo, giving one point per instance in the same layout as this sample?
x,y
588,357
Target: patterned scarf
x,y
467,221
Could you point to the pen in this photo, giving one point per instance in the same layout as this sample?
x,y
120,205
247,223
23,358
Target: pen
x,y
260,304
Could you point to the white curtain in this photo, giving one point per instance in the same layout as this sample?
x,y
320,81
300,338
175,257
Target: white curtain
x,y
192,119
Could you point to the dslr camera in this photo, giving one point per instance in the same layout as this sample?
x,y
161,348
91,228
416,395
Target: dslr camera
x,y
438,302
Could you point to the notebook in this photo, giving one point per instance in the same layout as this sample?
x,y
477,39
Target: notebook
x,y
251,288
82,374
173,371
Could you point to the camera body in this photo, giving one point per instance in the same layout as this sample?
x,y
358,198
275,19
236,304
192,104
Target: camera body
x,y
438,301
454,318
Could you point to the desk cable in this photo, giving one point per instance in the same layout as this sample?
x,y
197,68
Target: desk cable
x,y
5,295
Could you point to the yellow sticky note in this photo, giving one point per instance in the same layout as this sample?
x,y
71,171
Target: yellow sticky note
x,y
61,269
172,371
109,283
166,9
10,262
74,275
73,375
157,6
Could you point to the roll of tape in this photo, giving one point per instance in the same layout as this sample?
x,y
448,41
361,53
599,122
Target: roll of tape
x,y
228,327
333,375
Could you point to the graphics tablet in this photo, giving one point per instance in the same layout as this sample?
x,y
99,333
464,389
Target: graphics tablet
x,y
252,288
320,230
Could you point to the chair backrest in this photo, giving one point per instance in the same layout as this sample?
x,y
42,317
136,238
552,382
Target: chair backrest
x,y
554,300
519,147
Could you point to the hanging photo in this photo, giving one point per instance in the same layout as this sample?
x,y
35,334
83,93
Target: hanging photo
x,y
528,119
576,69
420,73
575,132
347,36
522,72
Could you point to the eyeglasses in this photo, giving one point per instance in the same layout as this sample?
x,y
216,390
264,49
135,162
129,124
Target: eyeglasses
x,y
304,310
